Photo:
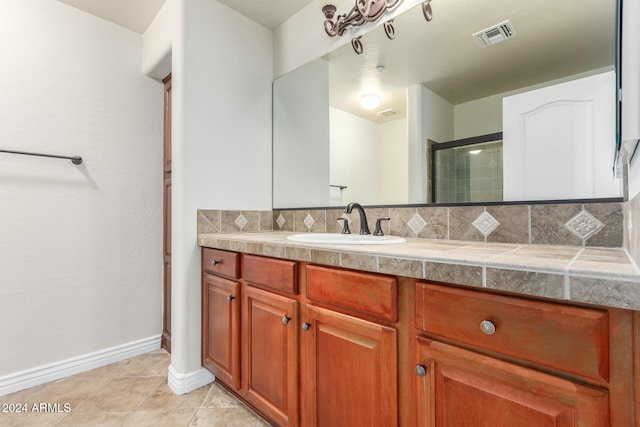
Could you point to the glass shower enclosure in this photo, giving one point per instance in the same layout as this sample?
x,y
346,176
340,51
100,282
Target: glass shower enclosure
x,y
467,170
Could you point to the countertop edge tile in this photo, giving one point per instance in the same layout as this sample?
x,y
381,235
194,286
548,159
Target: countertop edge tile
x,y
607,278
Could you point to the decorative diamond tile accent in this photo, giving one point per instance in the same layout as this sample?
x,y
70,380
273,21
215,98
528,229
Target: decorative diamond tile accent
x,y
308,221
280,221
584,225
241,221
417,224
486,223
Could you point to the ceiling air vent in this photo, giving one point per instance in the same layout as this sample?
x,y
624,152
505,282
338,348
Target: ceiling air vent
x,y
388,112
495,34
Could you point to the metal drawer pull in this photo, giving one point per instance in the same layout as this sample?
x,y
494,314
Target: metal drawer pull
x,y
421,370
488,327
215,262
230,298
285,320
306,326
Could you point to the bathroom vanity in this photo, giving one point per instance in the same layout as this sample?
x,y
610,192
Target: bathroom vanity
x,y
328,335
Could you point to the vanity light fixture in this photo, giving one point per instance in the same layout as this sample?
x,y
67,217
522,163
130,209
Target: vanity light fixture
x,y
362,12
370,101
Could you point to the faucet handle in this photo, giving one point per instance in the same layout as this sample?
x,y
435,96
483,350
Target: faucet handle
x,y
378,231
345,225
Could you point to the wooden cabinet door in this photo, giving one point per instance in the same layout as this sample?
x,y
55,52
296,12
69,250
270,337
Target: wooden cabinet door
x,y
460,388
350,371
570,128
221,328
270,356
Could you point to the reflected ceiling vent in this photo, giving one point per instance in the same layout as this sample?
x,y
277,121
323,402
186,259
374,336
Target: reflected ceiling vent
x,y
495,34
388,112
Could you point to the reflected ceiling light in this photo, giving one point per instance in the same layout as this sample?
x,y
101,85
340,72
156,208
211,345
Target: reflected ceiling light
x,y
362,12
370,101
474,151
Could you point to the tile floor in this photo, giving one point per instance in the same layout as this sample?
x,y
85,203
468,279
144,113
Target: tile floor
x,y
132,392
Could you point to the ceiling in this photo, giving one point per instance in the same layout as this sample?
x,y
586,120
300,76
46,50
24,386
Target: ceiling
x,y
134,15
553,40
137,15
269,13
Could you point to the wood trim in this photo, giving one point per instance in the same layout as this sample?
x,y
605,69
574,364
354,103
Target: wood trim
x,y
166,219
621,366
636,366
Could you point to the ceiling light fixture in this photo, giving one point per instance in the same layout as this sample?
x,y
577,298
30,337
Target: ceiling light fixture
x,y
370,101
362,12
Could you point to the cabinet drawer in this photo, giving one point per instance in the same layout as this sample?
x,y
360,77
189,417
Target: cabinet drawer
x,y
570,339
361,293
276,274
224,263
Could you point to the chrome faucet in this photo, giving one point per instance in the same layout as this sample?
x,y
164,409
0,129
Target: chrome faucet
x,y
364,226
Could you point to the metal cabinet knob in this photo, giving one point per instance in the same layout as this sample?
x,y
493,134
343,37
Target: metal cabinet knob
x,y
488,327
285,320
230,298
421,370
306,326
215,262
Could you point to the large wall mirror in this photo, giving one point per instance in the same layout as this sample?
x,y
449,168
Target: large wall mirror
x,y
542,74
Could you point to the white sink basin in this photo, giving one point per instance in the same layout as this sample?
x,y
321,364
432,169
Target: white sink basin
x,y
345,239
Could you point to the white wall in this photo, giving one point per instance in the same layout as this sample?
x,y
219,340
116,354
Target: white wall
x,y
394,159
478,117
430,117
80,246
157,41
355,157
221,80
301,137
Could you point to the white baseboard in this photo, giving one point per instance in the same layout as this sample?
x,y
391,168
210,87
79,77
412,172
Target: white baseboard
x,y
43,374
182,383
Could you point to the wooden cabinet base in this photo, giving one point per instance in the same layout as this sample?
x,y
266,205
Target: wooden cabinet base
x,y
315,346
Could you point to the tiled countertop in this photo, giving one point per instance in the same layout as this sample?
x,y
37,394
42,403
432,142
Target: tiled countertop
x,y
601,276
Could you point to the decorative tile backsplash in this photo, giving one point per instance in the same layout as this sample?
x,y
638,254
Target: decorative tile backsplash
x,y
578,224
584,225
221,221
486,223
